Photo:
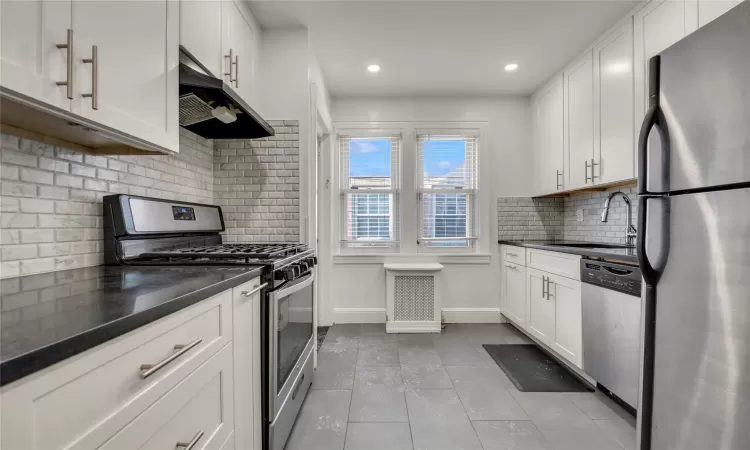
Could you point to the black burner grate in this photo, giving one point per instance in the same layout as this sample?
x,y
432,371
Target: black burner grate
x,y
228,251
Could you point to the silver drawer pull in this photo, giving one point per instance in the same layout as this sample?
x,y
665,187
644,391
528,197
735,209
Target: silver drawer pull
x,y
68,83
191,444
256,288
511,267
511,254
94,61
150,369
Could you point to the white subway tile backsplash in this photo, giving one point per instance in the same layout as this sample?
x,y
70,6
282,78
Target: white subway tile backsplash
x,y
555,218
251,177
35,205
51,197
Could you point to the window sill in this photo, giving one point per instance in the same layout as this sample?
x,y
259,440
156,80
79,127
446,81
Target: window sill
x,y
453,258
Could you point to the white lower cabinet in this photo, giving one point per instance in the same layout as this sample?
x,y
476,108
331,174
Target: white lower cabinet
x,y
199,409
514,292
541,309
545,304
247,372
104,398
568,336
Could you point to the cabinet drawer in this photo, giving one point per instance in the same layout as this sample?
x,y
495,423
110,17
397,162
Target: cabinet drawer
x,y
562,264
198,409
81,402
513,254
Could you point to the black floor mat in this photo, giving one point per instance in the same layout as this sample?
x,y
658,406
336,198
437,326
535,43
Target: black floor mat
x,y
532,370
322,331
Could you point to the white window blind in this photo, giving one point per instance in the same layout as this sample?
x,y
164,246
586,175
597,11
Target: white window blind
x,y
369,191
447,165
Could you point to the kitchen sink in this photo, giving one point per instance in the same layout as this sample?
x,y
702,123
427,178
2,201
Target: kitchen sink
x,y
591,245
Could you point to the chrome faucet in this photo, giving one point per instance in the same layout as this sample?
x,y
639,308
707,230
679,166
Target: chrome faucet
x,y
630,232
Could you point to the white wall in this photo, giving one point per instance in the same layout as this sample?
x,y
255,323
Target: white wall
x,y
354,291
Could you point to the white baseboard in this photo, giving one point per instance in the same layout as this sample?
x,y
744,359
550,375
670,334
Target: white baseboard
x,y
472,315
412,327
359,315
450,315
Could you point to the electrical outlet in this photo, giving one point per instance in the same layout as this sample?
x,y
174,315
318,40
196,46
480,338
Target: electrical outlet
x,y
579,215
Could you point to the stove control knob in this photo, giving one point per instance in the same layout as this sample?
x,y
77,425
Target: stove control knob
x,y
290,273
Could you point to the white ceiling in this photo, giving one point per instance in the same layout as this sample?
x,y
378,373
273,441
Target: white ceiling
x,y
445,48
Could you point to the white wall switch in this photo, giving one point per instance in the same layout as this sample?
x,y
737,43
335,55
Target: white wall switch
x,y
579,215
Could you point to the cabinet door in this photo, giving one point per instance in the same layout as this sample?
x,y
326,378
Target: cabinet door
x,y
200,33
550,137
541,311
709,10
514,293
656,26
568,340
247,391
31,62
614,145
579,121
239,37
137,82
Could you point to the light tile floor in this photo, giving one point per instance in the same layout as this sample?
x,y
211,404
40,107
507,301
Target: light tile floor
x,y
378,391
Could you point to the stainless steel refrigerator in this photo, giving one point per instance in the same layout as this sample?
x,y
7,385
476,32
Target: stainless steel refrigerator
x,y
694,205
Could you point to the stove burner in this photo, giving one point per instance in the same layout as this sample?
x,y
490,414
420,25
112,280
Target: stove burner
x,y
229,251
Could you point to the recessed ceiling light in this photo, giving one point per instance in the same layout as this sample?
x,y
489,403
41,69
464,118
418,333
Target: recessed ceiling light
x,y
373,68
511,67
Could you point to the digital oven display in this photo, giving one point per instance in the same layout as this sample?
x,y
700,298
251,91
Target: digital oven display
x,y
183,213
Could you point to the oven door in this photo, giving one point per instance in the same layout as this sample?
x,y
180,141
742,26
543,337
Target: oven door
x,y
291,331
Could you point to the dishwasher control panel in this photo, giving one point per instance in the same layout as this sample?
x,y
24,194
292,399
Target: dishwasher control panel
x,y
619,277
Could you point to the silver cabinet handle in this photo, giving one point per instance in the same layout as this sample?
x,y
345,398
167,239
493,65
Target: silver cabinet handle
x,y
544,282
559,184
94,61
231,64
68,83
593,164
549,294
586,169
255,289
511,254
511,267
193,441
149,369
237,71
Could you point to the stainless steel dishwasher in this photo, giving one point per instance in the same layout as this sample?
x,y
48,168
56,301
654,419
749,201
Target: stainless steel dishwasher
x,y
611,327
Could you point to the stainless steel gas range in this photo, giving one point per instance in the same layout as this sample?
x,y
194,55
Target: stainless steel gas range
x,y
150,231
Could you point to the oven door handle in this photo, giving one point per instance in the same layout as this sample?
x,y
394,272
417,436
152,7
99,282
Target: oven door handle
x,y
301,283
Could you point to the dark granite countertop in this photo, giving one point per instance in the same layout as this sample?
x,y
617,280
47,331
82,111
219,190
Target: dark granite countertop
x,y
49,317
628,255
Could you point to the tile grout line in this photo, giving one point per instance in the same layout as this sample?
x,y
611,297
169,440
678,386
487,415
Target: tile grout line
x,y
408,416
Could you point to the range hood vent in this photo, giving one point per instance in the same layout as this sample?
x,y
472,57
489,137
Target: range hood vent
x,y
211,109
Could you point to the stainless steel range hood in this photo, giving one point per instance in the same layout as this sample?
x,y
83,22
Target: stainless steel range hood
x,y
211,109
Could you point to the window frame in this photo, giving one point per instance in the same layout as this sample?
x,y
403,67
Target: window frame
x,y
409,220
473,213
346,245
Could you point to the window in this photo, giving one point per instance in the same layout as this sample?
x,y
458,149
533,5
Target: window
x,y
369,191
447,187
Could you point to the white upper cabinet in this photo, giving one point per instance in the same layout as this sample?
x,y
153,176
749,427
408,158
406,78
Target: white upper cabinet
x,y
32,64
657,26
239,41
579,122
709,10
201,32
131,83
548,135
614,146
